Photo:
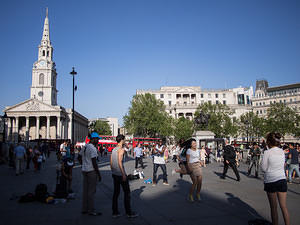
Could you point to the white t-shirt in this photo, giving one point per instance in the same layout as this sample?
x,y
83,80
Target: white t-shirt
x,y
63,150
202,154
273,165
159,158
194,155
88,152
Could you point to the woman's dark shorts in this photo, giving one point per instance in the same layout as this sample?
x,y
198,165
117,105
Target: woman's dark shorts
x,y
277,186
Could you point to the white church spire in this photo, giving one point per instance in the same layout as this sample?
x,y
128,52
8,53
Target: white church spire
x,y
46,32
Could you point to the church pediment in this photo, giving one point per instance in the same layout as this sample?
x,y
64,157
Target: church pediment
x,y
32,105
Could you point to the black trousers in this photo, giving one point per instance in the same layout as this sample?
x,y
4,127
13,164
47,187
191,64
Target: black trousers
x,y
163,168
139,160
233,166
125,186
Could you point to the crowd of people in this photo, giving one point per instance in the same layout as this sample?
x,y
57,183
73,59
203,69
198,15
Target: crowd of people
x,y
279,163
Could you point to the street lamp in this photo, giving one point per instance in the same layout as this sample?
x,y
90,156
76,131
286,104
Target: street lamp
x,y
73,73
4,117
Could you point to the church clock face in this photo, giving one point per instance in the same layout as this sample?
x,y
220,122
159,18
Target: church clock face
x,y
41,93
42,63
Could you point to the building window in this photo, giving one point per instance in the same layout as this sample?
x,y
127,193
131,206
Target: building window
x,y
161,95
43,52
263,103
224,95
185,103
280,101
291,100
209,95
170,103
217,102
224,102
209,101
260,111
217,95
248,100
41,79
274,101
193,103
284,101
256,104
241,99
201,95
257,112
260,103
270,102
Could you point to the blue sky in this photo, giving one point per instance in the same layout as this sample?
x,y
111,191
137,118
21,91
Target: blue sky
x,y
118,46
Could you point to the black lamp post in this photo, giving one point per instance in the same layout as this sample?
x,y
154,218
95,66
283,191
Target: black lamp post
x,y
4,117
73,73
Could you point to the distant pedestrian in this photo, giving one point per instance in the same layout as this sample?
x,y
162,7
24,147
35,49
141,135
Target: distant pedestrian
x,y
229,160
138,155
294,166
274,177
255,153
203,156
90,173
20,155
29,155
181,149
159,161
193,159
120,179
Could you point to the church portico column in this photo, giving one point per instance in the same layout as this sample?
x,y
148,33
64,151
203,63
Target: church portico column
x,y
37,133
17,130
48,127
58,130
9,128
27,129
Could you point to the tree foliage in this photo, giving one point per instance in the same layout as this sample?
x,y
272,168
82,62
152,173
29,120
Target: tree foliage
x,y
101,127
219,119
147,117
282,119
183,128
252,126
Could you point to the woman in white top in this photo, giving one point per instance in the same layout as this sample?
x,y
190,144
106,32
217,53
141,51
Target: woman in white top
x,y
193,160
274,177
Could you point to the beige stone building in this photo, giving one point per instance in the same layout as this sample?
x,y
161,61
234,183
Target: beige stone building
x,y
40,117
184,100
265,96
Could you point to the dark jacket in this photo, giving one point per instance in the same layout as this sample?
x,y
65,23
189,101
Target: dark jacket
x,y
229,153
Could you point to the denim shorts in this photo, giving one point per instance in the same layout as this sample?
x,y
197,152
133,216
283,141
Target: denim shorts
x,y
277,186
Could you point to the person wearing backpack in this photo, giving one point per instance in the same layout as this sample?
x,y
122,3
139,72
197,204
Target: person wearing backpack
x,y
229,160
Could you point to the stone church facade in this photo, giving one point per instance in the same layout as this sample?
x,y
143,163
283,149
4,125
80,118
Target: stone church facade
x,y
40,117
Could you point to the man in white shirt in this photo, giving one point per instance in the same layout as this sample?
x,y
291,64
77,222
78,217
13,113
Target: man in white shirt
x,y
90,174
159,161
138,154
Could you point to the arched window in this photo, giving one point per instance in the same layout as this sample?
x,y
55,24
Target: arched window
x,y
43,52
41,79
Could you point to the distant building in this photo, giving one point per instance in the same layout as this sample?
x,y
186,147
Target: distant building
x,y
40,117
265,96
184,100
112,122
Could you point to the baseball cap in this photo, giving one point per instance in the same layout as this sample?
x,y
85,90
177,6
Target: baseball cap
x,y
95,135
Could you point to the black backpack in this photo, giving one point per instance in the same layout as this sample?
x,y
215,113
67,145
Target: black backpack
x,y
41,193
29,197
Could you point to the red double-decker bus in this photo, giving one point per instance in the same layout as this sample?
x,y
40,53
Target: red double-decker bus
x,y
144,141
104,137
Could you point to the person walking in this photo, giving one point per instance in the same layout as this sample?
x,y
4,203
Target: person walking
x,y
120,179
202,156
194,164
229,160
294,165
181,157
20,155
255,153
274,177
138,155
159,161
90,174
29,155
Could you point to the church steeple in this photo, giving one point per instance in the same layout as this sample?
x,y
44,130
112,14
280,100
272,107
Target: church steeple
x,y
45,48
44,73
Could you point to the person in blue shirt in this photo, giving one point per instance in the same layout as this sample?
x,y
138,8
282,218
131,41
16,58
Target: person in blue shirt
x,y
138,155
294,166
20,154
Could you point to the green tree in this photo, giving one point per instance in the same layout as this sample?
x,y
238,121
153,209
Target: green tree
x,y
219,120
252,125
283,119
147,117
183,128
101,127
